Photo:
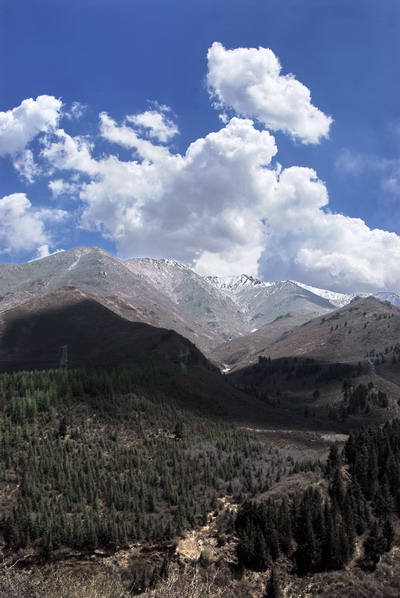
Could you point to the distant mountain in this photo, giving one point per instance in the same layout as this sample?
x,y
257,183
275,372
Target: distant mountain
x,y
212,309
337,299
264,302
230,316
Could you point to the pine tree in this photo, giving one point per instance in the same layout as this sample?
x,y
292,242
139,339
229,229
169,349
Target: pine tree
x,y
374,544
272,589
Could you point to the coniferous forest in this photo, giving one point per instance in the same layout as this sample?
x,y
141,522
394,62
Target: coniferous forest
x,y
319,527
99,460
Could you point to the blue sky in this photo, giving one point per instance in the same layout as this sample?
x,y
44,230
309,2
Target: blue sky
x,y
205,152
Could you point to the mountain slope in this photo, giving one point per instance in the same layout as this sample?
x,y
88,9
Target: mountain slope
x,y
364,327
32,334
94,271
264,302
209,311
212,308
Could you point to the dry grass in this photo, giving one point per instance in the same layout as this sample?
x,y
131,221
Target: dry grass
x,y
59,584
197,585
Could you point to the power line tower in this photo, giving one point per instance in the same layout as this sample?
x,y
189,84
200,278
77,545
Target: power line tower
x,y
184,358
64,358
371,367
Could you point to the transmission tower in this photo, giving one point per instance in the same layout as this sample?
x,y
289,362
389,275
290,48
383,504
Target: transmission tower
x,y
64,358
184,358
371,367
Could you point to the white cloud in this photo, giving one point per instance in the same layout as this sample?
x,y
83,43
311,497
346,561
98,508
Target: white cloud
x,y
44,251
311,244
22,228
155,123
76,111
237,260
59,187
175,205
19,126
26,166
222,207
125,136
248,80
61,151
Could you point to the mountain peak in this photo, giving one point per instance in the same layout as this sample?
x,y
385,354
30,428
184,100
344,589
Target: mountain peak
x,y
158,264
236,282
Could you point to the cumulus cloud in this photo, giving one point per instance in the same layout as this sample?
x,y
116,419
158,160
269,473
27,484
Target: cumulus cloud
x,y
249,81
175,205
223,207
19,126
155,123
44,251
23,228
307,242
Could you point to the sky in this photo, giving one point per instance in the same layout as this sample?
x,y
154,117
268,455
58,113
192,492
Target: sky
x,y
235,136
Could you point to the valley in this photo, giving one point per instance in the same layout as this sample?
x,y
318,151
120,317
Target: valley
x,y
173,433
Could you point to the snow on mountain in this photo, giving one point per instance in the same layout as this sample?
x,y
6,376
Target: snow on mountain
x,y
387,296
236,283
209,306
265,302
165,293
337,299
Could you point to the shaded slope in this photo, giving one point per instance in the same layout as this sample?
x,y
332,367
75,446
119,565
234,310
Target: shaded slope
x,y
343,369
101,275
32,334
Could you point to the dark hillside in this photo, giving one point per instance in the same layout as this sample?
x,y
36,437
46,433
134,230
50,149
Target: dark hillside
x,y
33,334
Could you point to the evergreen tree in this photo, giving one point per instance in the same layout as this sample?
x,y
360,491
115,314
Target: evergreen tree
x,y
272,589
374,544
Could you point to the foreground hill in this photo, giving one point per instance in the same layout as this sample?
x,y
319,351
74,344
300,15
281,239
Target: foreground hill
x,y
343,368
361,329
356,332
32,335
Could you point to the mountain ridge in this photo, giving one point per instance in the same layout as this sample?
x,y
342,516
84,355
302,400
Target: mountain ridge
x,y
167,294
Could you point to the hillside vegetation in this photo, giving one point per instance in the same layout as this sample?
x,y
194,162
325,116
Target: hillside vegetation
x,y
100,463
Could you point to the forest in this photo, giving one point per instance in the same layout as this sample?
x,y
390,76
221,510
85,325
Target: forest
x,y
103,458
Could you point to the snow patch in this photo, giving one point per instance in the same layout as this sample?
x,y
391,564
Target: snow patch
x,y
74,264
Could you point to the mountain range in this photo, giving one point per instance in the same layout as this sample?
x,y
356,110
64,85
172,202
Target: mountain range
x,y
230,319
